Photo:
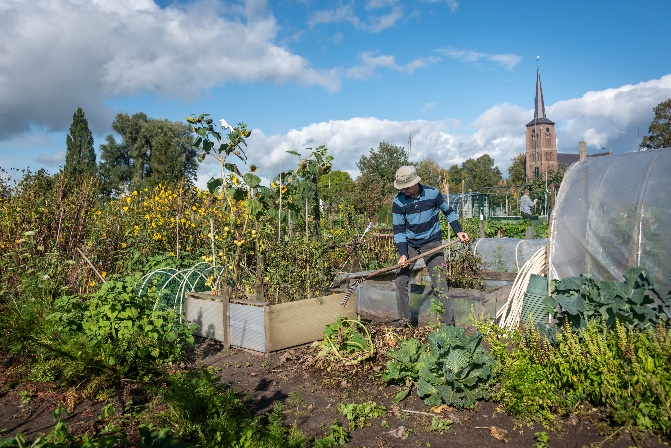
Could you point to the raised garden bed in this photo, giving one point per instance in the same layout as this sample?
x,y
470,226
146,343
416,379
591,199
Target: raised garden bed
x,y
262,327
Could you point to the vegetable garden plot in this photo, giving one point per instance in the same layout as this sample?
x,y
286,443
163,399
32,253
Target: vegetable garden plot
x,y
260,326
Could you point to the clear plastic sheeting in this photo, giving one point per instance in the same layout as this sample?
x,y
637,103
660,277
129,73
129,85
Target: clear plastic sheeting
x,y
506,254
378,299
613,213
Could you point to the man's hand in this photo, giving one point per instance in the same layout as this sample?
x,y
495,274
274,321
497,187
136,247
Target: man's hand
x,y
463,237
403,261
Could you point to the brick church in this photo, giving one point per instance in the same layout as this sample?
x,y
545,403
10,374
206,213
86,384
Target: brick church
x,y
541,154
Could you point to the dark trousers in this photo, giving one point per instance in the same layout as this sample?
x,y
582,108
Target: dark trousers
x,y
434,264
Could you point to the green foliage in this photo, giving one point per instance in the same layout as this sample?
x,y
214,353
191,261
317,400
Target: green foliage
x,y
542,439
524,386
150,151
452,369
480,174
456,370
634,302
206,413
381,165
440,425
462,265
337,436
622,369
336,188
511,228
41,227
432,173
660,127
60,437
80,156
357,414
346,341
517,171
403,365
117,332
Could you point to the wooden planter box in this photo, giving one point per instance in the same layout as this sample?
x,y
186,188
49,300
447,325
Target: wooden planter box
x,y
262,327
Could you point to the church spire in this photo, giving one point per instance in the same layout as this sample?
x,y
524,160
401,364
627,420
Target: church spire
x,y
540,105
539,111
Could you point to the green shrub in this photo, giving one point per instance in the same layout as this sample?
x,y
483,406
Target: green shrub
x,y
623,370
117,333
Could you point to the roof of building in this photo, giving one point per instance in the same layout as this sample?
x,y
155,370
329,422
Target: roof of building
x,y
567,159
539,104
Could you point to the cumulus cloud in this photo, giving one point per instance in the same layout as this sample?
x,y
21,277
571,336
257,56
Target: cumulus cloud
x,y
60,55
605,119
612,118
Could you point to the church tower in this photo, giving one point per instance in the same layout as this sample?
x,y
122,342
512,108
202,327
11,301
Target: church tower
x,y
541,152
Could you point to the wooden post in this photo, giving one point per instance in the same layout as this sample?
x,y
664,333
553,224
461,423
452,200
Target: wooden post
x,y
227,321
463,193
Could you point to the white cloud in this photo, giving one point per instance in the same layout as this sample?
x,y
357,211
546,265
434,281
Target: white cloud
x,y
507,60
66,54
612,118
373,23
370,63
606,119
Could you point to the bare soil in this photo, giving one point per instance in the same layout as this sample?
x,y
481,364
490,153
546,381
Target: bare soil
x,y
311,393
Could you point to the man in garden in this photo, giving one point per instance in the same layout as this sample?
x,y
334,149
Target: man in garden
x,y
525,205
415,212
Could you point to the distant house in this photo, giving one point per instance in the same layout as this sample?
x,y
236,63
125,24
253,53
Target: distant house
x,y
541,141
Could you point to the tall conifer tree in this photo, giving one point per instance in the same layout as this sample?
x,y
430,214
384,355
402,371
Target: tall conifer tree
x,y
80,158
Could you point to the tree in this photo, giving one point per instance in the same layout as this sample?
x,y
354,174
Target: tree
x,y
660,127
517,170
375,185
369,196
481,174
432,173
381,165
336,187
171,157
149,152
118,159
80,157
455,175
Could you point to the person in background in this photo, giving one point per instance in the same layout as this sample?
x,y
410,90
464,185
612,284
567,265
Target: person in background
x,y
416,223
525,205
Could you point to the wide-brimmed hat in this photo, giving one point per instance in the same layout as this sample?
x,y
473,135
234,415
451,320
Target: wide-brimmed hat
x,y
406,176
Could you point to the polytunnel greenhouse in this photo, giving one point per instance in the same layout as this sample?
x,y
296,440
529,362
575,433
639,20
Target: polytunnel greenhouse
x,y
613,213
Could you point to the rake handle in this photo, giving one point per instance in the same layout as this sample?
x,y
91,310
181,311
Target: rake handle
x,y
411,260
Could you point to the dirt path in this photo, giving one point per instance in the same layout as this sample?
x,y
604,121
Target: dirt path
x,y
311,396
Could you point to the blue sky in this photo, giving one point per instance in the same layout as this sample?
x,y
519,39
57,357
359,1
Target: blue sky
x,y
459,75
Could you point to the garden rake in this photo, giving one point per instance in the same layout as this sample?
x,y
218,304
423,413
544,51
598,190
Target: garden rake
x,y
360,280
352,249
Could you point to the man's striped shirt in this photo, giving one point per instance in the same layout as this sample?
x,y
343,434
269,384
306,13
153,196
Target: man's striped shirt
x,y
416,220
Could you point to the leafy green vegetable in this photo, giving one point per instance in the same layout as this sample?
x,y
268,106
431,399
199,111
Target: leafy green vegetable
x,y
456,370
347,340
452,368
634,302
